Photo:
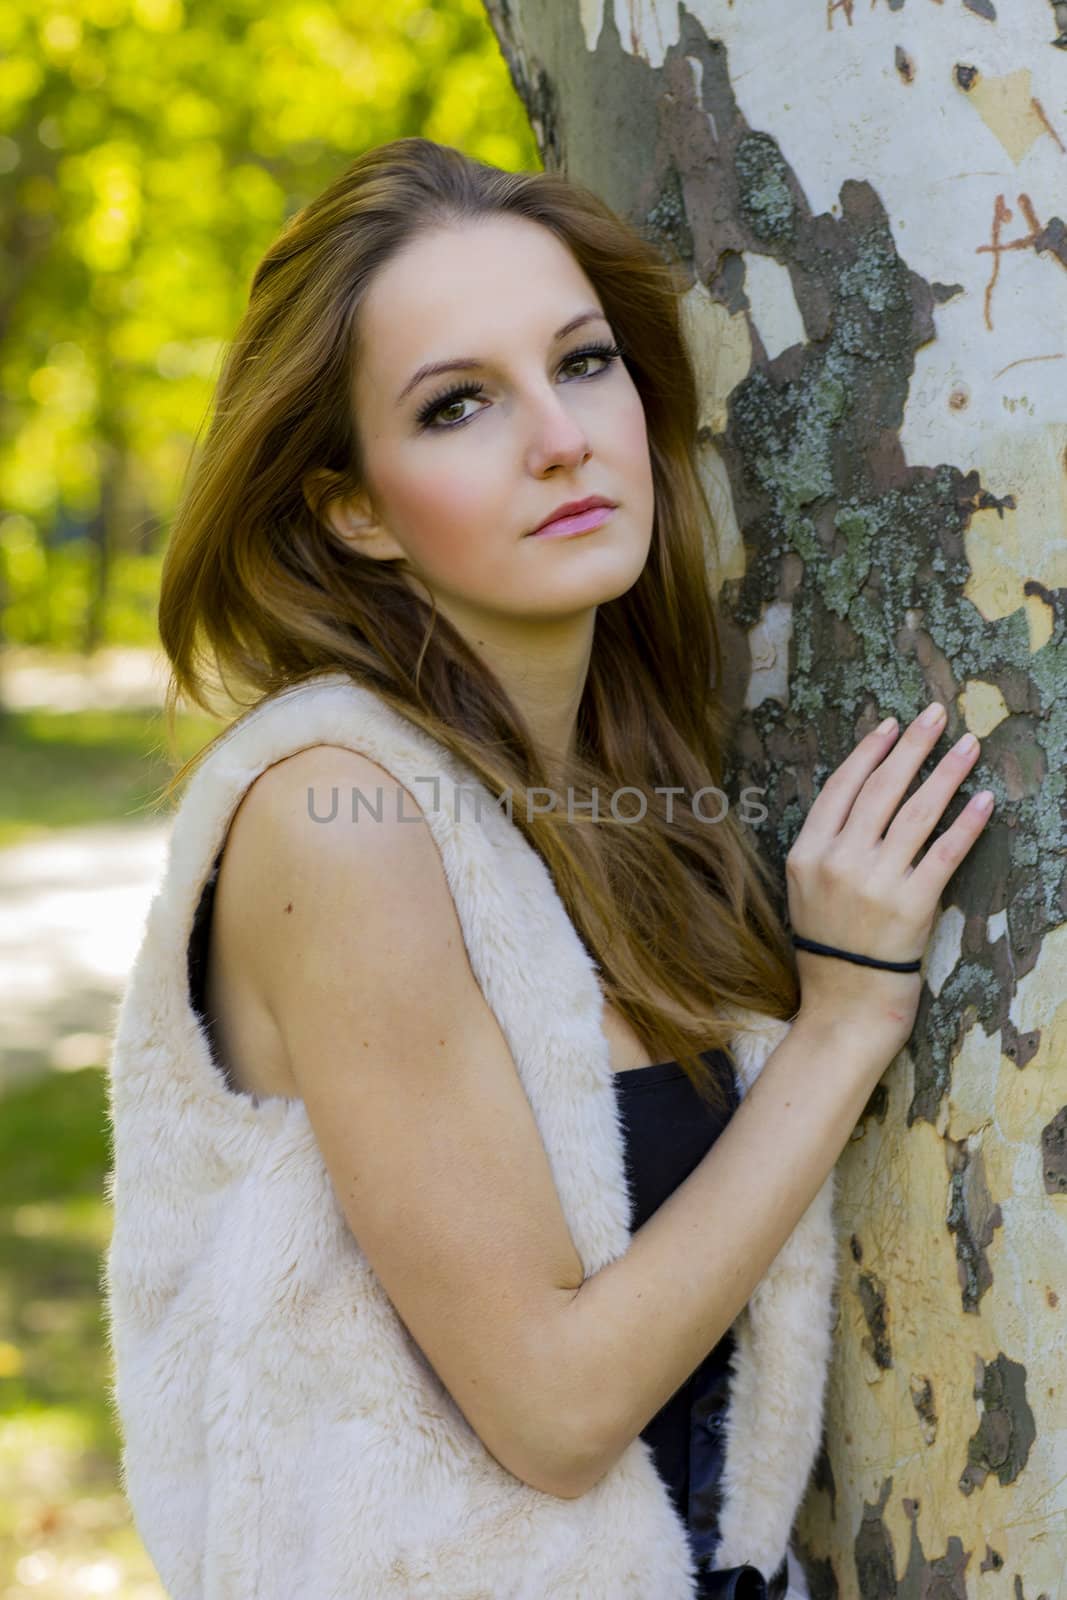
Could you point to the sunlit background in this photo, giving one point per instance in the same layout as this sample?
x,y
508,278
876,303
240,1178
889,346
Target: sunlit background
x,y
149,152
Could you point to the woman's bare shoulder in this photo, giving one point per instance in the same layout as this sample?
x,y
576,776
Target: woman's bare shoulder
x,y
321,834
293,853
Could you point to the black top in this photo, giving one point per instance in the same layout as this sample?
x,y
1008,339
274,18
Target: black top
x,y
668,1128
199,939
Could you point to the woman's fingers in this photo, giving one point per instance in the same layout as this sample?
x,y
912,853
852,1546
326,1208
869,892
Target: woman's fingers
x,y
929,877
850,888
863,792
919,816
880,799
830,809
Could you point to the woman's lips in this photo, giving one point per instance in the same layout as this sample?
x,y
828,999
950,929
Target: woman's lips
x,y
581,523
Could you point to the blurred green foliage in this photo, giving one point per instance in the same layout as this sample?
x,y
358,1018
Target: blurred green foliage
x,y
149,152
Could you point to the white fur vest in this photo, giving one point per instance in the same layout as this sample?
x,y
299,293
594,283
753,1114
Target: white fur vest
x,y
283,1437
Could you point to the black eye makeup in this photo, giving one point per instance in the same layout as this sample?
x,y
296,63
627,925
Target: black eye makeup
x,y
471,389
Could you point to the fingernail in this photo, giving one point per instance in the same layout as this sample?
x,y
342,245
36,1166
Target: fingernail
x,y
887,726
932,714
966,745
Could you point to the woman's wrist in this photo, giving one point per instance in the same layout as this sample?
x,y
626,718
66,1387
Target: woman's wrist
x,y
870,1039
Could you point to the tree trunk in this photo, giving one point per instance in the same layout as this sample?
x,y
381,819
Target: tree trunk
x,y
863,197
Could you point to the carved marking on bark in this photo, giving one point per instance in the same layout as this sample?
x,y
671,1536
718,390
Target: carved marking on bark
x,y
1052,238
1039,108
1025,360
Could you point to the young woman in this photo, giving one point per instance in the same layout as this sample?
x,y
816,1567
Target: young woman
x,y
472,1178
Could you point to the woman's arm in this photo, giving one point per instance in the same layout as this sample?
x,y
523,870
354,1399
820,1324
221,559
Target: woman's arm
x,y
639,1326
352,941
635,1330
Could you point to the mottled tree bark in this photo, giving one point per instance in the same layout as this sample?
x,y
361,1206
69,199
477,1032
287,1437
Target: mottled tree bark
x,y
864,200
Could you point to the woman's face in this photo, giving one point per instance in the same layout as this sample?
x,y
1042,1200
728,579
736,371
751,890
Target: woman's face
x,y
456,490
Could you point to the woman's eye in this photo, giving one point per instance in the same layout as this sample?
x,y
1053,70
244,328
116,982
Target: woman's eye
x,y
438,406
607,353
582,355
451,406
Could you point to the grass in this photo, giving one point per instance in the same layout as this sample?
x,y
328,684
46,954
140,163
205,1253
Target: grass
x,y
65,768
65,1526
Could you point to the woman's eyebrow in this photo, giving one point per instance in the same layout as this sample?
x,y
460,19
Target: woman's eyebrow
x,y
464,363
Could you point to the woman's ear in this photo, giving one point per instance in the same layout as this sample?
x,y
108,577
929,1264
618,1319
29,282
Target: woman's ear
x,y
349,516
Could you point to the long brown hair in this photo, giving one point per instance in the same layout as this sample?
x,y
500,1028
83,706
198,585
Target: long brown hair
x,y
677,913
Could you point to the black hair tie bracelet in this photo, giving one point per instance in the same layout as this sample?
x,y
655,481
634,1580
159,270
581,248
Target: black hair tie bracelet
x,y
847,955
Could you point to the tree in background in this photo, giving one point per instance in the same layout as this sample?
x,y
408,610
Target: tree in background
x,y
863,201
149,150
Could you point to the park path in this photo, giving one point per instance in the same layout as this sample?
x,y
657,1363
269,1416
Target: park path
x,y
72,910
73,902
119,675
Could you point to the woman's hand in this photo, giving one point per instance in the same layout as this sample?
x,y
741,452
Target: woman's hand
x,y
851,888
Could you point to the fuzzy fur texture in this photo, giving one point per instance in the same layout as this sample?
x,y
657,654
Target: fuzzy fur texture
x,y
283,1436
